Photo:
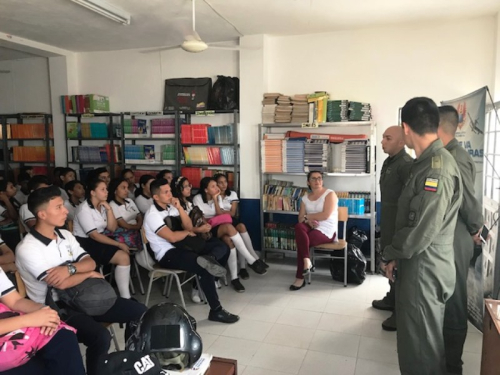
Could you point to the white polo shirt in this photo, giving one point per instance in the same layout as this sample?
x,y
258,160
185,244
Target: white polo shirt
x,y
64,195
71,207
143,203
207,208
36,254
20,196
88,219
25,215
153,223
6,285
127,211
228,200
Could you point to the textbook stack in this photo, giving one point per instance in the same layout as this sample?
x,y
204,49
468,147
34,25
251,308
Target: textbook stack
x,y
208,155
87,130
31,153
282,196
161,127
269,107
300,108
360,111
135,128
272,154
293,155
29,131
279,236
316,155
337,111
318,102
96,154
283,110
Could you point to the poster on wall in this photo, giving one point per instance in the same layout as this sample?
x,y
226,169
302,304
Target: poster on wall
x,y
471,110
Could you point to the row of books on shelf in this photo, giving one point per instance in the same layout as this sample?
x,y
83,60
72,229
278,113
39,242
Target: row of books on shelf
x,y
360,196
90,130
194,175
208,155
148,153
28,131
31,153
90,103
206,134
279,236
96,154
158,128
282,196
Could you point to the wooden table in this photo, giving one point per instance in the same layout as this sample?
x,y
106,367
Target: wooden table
x,y
222,366
490,360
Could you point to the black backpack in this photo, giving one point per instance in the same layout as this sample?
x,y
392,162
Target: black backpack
x,y
225,93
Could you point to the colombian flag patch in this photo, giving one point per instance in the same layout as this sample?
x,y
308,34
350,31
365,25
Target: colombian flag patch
x,y
431,184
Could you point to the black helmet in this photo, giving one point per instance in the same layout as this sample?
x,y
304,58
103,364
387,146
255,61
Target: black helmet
x,y
168,332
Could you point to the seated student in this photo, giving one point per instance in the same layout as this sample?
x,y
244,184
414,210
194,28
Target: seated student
x,y
76,194
128,175
229,205
50,256
102,174
167,174
143,198
27,169
127,214
162,241
25,216
181,189
33,339
210,202
55,176
22,188
92,218
7,260
8,207
66,175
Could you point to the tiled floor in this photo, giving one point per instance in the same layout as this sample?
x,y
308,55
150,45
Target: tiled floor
x,y
321,329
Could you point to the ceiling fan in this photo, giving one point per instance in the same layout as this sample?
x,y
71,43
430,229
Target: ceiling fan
x,y
193,42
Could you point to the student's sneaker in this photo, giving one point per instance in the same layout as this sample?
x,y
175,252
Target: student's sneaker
x,y
218,285
243,274
258,268
195,296
222,316
211,265
237,285
263,263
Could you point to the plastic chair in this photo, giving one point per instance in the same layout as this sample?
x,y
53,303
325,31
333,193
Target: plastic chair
x,y
328,249
156,272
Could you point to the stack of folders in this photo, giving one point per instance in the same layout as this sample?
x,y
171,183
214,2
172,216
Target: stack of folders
x,y
283,110
300,108
355,155
269,107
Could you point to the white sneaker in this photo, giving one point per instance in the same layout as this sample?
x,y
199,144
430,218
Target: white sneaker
x,y
195,296
218,285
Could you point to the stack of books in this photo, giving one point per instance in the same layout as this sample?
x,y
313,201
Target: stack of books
x,y
293,155
272,153
168,152
318,105
91,103
87,130
316,155
269,107
194,175
208,155
283,110
31,153
282,196
96,154
337,111
300,108
135,128
220,134
136,153
279,236
356,156
194,133
28,131
365,195
161,127
360,111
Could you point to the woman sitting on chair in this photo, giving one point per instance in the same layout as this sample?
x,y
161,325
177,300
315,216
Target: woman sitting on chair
x,y
318,221
143,198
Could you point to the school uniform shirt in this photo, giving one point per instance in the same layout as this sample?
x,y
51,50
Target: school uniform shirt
x,y
131,194
20,196
143,203
25,215
71,207
127,211
208,208
3,211
89,219
153,223
6,285
36,254
64,195
228,200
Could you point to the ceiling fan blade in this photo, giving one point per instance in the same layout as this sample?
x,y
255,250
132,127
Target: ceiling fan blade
x,y
161,49
229,48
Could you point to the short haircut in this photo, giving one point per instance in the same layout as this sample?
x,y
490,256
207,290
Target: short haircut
x,y
448,119
100,170
40,197
23,176
113,185
156,185
36,181
421,115
65,171
71,186
162,173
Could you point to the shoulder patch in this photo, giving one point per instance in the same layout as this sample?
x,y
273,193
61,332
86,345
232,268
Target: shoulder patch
x,y
437,162
431,184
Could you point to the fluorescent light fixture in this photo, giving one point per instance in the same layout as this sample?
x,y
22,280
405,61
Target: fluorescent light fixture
x,y
105,9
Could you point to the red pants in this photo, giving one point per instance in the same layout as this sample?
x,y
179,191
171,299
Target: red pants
x,y
307,237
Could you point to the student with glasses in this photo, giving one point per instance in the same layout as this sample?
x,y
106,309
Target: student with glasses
x,y
318,222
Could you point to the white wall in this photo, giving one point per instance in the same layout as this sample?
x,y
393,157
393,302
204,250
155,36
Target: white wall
x,y
24,85
496,94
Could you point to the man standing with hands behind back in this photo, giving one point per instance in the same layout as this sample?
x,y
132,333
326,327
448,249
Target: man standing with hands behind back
x,y
422,244
469,223
394,174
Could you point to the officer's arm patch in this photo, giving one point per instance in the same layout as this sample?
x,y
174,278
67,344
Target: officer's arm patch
x,y
431,184
437,162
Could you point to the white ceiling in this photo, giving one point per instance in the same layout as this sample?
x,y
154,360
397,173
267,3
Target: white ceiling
x,y
155,23
12,54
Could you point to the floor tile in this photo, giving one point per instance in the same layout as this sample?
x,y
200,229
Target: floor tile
x,y
378,350
373,328
335,343
261,312
474,342
207,339
299,318
248,330
286,335
351,308
279,358
250,370
341,323
229,347
327,364
272,299
472,363
366,367
307,303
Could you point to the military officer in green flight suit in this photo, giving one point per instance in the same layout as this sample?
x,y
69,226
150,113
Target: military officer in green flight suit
x,y
422,247
393,176
469,223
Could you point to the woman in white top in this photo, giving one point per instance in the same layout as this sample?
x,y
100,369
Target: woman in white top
x,y
127,214
92,218
210,202
318,221
143,198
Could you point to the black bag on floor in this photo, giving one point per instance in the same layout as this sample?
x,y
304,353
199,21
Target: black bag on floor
x,y
225,93
356,237
356,266
187,94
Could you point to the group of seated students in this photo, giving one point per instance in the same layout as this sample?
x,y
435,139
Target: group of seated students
x,y
106,217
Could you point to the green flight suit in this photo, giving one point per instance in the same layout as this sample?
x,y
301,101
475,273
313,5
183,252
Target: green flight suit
x,y
470,221
423,248
393,175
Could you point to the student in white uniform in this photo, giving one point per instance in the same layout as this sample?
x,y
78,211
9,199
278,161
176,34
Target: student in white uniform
x,y
128,175
127,214
66,175
230,203
25,215
22,187
163,240
54,352
7,260
8,209
143,198
76,194
92,218
182,190
49,256
167,174
210,202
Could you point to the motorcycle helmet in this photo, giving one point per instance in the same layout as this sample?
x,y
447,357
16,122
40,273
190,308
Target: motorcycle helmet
x,y
167,332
